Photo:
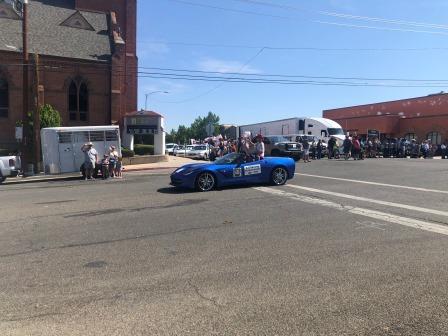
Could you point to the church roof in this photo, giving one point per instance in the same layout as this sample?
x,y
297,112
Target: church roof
x,y
49,33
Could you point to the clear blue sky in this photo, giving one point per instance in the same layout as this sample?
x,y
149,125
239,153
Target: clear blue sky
x,y
162,24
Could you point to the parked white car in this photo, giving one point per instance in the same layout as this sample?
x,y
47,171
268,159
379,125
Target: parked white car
x,y
183,150
9,167
198,152
170,148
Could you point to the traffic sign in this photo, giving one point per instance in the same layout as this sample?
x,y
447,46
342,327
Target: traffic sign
x,y
209,129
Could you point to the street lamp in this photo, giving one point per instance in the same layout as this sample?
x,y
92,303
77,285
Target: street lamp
x,y
150,93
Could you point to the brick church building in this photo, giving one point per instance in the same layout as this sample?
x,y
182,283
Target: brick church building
x,y
87,63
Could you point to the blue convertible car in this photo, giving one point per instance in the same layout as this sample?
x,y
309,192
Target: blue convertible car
x,y
234,169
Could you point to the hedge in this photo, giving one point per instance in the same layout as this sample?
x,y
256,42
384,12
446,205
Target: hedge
x,y
125,152
143,149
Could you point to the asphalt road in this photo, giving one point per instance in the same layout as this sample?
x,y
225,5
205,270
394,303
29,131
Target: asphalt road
x,y
346,248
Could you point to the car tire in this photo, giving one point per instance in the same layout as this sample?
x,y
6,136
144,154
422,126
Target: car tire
x,y
205,181
2,179
279,176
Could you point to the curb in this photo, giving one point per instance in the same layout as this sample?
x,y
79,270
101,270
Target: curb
x,y
144,169
27,180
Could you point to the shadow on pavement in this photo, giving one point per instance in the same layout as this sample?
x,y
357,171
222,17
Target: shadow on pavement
x,y
175,191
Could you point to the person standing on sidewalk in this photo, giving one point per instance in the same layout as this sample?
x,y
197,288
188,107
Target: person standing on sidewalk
x,y
356,149
347,147
319,148
306,150
444,149
113,157
90,159
331,144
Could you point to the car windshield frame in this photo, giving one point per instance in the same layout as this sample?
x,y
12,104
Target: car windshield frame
x,y
231,158
335,131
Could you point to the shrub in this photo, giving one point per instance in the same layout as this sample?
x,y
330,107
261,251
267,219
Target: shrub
x,y
126,152
144,149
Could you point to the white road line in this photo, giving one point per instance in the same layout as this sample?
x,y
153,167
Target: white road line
x,y
364,199
376,183
405,221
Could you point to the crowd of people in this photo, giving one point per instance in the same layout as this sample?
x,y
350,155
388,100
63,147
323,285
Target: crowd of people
x,y
110,165
352,147
219,146
359,148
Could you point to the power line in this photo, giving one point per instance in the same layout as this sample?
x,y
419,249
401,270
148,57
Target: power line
x,y
223,75
227,80
294,76
242,46
325,22
347,16
250,60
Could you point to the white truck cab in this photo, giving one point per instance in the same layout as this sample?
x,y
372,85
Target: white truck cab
x,y
9,167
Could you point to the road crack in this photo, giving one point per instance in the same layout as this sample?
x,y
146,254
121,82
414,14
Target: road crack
x,y
203,297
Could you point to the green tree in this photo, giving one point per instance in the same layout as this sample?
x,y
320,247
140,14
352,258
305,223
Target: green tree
x,y
198,127
183,134
171,137
49,117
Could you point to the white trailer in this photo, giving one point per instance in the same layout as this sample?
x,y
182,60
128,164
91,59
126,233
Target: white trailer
x,y
320,128
61,146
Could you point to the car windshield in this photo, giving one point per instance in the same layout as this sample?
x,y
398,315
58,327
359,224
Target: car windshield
x,y
278,139
189,147
199,148
228,159
169,146
335,131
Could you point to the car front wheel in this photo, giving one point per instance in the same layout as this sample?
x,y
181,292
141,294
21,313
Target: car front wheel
x,y
279,176
205,182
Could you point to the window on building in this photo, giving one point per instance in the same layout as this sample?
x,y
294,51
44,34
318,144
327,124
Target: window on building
x,y
78,101
83,102
73,101
435,137
4,99
410,136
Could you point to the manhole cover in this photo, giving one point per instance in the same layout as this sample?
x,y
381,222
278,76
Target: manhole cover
x,y
96,264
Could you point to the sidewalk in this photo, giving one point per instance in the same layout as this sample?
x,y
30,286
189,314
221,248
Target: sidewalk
x,y
162,167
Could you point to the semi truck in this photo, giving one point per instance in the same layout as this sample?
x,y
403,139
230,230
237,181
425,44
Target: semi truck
x,y
293,128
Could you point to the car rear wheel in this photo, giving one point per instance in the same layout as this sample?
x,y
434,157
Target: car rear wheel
x,y
2,179
279,176
205,182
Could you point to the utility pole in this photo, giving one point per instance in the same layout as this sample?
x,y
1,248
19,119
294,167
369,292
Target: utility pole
x,y
36,121
25,88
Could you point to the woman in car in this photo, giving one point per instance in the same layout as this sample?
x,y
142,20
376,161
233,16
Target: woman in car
x,y
259,147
